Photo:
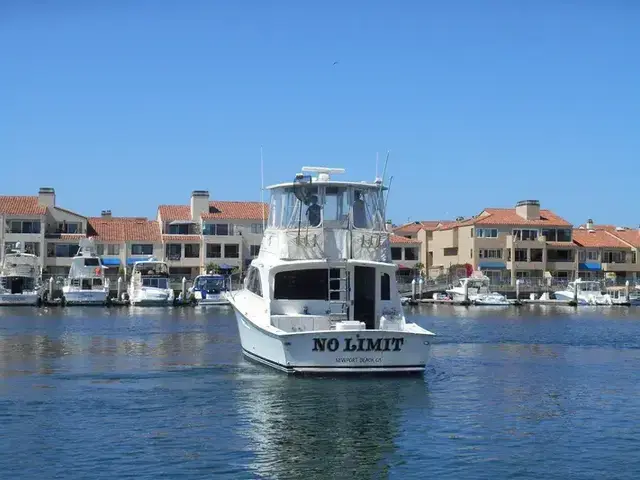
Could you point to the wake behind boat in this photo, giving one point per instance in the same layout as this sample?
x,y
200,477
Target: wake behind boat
x,y
321,296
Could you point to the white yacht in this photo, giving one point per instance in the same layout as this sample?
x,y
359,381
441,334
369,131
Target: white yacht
x,y
585,292
86,283
20,278
210,290
149,284
478,292
321,297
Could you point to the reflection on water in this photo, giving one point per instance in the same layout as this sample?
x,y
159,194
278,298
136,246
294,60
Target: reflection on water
x,y
541,392
325,428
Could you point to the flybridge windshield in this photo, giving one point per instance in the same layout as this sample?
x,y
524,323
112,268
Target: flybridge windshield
x,y
329,206
152,269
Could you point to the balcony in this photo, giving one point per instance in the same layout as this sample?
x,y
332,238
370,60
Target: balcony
x,y
561,265
621,267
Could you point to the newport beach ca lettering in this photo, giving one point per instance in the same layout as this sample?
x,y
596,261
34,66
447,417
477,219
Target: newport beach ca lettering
x,y
358,344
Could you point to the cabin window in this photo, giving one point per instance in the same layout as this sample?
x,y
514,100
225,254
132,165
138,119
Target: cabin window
x,y
254,284
385,287
155,282
97,282
91,262
214,250
141,249
301,285
231,251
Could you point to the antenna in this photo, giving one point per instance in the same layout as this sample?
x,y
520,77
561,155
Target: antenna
x,y
376,165
386,200
262,190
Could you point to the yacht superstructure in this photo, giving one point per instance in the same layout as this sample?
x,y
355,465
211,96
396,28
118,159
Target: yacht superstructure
x,y
86,283
20,278
321,296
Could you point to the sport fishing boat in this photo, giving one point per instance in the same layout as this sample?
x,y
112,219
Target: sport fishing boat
x,y
584,292
20,278
476,289
86,283
321,297
209,290
149,284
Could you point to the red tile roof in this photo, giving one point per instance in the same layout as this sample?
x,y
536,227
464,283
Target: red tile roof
x,y
397,239
415,227
218,211
181,238
597,239
630,236
508,216
125,229
21,205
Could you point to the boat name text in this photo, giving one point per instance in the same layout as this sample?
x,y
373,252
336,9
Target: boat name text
x,y
358,344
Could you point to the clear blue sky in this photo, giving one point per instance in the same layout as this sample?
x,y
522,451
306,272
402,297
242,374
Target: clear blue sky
x,y
125,105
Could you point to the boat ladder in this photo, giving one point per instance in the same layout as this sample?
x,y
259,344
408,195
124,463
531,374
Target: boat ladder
x,y
338,292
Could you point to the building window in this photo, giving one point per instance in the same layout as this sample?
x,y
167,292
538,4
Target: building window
x,y
592,255
192,250
70,227
256,228
525,234
450,252
32,247
549,234
173,251
490,253
255,250
100,248
521,255
634,257
214,250
113,249
62,250
561,256
181,229
486,232
25,226
411,253
141,249
536,255
614,257
217,229
396,253
231,250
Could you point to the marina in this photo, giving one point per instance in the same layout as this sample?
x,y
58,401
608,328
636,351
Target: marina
x,y
505,390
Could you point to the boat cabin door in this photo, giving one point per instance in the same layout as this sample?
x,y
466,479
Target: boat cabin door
x,y
363,295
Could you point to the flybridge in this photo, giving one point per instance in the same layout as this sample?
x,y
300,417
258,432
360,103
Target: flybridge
x,y
323,172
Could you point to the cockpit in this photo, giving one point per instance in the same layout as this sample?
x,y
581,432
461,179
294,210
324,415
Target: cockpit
x,y
326,205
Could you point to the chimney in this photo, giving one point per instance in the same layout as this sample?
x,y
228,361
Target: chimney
x,y
47,197
589,224
199,203
528,209
105,213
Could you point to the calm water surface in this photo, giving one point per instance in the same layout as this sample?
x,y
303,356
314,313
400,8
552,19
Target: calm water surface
x,y
165,393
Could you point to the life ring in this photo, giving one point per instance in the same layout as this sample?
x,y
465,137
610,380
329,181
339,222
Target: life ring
x,y
97,270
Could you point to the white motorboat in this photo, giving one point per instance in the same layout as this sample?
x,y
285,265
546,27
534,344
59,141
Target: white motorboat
x,y
321,297
209,290
584,293
620,295
86,283
476,289
20,278
149,284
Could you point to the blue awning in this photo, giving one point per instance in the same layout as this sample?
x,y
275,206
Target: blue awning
x,y
492,265
225,266
132,260
107,262
590,266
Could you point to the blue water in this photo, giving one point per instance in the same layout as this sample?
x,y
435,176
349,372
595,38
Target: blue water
x,y
165,393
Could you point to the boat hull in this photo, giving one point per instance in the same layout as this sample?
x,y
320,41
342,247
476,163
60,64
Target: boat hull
x,y
336,351
85,297
211,299
582,300
151,297
31,298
